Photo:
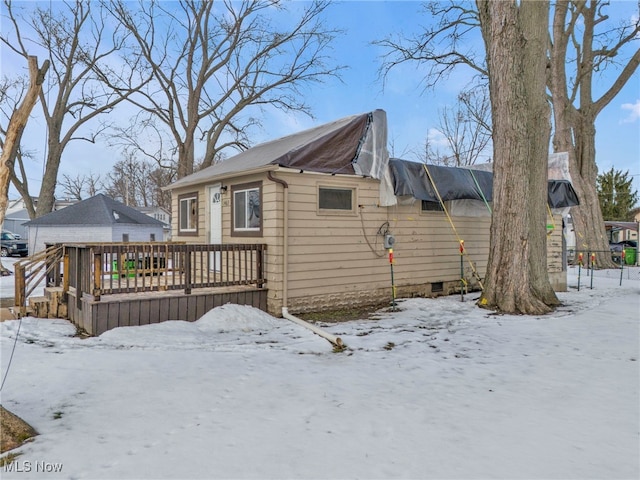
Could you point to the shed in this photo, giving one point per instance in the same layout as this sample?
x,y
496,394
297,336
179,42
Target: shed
x,y
96,219
325,202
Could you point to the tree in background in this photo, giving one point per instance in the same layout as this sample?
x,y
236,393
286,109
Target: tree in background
x,y
466,127
15,129
82,45
80,186
216,65
583,44
12,91
617,200
139,183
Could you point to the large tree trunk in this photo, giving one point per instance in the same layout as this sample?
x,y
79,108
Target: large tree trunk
x,y
14,132
588,222
515,36
47,198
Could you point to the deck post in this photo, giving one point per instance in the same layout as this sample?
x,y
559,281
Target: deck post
x,y
259,266
187,270
19,288
65,274
97,275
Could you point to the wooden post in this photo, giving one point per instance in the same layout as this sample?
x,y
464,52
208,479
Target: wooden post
x,y
187,270
259,266
20,300
65,274
97,275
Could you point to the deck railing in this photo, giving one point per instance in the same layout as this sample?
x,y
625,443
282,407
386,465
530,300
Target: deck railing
x,y
109,268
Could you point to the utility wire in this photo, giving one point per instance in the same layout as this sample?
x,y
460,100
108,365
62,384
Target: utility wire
x,y
11,357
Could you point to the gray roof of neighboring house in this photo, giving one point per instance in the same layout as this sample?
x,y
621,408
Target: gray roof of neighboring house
x,y
342,146
97,210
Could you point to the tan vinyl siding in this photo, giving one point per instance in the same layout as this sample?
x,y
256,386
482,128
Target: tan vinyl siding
x,y
339,260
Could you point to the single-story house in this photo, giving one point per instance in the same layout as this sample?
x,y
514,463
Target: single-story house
x,y
96,219
328,202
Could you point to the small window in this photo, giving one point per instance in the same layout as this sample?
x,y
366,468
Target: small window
x,y
125,237
431,206
247,210
188,214
335,199
152,237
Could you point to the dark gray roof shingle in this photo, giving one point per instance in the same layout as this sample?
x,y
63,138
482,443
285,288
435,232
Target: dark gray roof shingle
x,y
97,210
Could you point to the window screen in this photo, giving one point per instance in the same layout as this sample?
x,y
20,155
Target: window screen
x,y
335,198
431,206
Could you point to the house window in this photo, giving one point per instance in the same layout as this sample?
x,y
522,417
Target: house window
x,y
188,214
336,200
246,210
431,206
152,237
125,237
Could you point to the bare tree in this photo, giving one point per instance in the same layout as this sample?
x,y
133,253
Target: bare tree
x,y
466,127
77,186
12,91
516,38
217,64
139,183
584,43
14,132
82,46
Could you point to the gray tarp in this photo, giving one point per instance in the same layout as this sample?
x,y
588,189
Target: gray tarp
x,y
456,183
410,178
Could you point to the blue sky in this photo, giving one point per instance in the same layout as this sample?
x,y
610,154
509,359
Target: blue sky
x,y
411,111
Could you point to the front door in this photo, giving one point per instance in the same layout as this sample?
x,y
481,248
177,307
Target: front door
x,y
215,223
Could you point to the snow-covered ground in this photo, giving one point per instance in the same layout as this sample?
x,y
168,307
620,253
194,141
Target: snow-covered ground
x,y
437,389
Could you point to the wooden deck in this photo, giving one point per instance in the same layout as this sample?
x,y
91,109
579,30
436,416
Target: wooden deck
x,y
134,309
103,286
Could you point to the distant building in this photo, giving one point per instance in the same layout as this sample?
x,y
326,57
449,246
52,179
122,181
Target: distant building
x,y
161,214
96,219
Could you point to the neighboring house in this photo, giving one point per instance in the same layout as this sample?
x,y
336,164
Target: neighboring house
x,y
96,219
14,222
161,214
324,200
17,215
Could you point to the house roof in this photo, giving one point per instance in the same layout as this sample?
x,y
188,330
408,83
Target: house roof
x,y
353,145
97,210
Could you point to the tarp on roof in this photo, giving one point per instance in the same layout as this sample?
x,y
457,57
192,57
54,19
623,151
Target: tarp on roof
x,y
458,183
561,194
453,183
354,145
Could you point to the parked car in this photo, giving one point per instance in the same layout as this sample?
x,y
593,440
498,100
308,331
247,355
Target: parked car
x,y
12,246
